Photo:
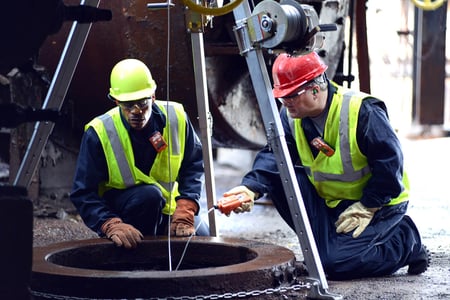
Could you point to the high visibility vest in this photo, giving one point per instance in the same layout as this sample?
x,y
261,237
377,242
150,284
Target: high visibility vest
x,y
122,172
343,175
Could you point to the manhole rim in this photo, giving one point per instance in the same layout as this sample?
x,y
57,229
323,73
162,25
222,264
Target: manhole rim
x,y
264,258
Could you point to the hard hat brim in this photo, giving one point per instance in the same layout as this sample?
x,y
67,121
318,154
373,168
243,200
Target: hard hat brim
x,y
280,92
145,93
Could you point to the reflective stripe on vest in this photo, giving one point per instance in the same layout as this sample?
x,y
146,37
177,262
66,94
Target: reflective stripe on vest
x,y
120,160
176,137
348,173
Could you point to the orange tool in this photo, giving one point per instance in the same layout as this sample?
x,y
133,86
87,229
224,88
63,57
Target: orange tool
x,y
227,204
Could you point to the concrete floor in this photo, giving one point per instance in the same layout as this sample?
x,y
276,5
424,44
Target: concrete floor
x,y
429,189
427,163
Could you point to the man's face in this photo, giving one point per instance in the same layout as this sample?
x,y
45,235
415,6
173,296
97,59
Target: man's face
x,y
137,113
302,103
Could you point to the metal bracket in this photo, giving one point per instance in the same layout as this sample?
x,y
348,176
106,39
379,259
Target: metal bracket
x,y
160,5
318,292
205,123
55,98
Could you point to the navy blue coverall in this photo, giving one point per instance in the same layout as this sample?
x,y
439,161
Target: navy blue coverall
x,y
391,241
140,205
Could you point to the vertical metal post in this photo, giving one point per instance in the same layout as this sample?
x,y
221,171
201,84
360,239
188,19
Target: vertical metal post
x,y
275,136
361,46
205,123
429,66
16,238
55,97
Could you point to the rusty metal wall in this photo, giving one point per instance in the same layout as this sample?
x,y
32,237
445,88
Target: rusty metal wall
x,y
133,32
137,32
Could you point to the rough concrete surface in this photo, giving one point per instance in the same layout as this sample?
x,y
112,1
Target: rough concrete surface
x,y
428,207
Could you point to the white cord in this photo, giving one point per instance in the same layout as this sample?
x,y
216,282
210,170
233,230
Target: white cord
x,y
190,237
169,137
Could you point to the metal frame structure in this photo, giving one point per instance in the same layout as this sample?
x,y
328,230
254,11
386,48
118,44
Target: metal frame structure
x,y
55,97
275,138
269,111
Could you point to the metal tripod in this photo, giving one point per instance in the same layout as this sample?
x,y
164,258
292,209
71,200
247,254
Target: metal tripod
x,y
275,138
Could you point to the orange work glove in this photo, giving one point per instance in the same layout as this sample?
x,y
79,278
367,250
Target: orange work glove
x,y
121,234
183,218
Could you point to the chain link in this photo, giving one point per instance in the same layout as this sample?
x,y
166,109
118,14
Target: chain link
x,y
254,293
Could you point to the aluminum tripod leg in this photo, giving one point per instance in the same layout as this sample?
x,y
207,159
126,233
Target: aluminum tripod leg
x,y
205,123
55,98
275,136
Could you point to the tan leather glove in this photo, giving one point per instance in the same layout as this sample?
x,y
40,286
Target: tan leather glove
x,y
121,234
182,223
246,206
357,217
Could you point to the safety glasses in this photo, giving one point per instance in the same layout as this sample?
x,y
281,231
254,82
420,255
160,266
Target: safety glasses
x,y
140,104
292,96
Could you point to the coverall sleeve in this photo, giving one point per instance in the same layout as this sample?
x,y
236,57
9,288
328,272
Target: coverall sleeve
x,y
264,176
91,169
190,175
379,142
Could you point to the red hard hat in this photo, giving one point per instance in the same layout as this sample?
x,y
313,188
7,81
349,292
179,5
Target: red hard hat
x,y
291,72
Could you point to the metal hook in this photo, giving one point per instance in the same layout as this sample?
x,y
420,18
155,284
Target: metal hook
x,y
160,5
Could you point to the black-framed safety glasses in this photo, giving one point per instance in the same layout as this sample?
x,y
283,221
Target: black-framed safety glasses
x,y
294,95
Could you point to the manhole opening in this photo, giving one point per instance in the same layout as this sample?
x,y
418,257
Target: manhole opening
x,y
151,257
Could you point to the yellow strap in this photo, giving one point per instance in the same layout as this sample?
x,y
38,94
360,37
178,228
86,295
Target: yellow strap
x,y
428,4
212,11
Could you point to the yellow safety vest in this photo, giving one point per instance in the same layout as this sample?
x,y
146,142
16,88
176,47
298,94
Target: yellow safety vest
x,y
122,172
343,175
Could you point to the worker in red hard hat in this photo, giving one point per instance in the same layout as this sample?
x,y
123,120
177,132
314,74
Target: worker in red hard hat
x,y
140,164
349,166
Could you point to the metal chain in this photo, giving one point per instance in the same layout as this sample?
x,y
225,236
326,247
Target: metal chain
x,y
254,293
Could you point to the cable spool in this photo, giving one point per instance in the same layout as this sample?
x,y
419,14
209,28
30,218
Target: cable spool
x,y
296,23
289,22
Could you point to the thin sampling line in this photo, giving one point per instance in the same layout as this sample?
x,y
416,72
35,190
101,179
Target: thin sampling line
x,y
189,240
169,219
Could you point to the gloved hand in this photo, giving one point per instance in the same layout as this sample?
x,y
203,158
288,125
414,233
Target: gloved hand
x,y
182,223
121,234
355,216
246,206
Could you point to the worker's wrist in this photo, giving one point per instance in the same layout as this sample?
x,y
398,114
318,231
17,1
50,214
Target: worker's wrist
x,y
110,222
371,209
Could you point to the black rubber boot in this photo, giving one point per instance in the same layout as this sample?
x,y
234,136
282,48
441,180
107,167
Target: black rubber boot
x,y
421,263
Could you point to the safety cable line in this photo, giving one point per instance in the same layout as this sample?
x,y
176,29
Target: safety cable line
x,y
190,238
169,219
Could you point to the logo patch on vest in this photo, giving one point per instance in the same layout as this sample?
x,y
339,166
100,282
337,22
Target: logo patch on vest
x,y
322,146
158,142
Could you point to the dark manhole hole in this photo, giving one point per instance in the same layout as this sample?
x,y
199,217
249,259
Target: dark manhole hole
x,y
95,268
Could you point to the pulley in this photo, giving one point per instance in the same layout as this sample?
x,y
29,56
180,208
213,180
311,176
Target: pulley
x,y
287,26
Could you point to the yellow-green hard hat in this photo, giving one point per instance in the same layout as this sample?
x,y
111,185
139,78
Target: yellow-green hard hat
x,y
131,80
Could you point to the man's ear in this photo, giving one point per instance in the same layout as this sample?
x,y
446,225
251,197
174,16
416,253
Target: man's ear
x,y
315,89
153,98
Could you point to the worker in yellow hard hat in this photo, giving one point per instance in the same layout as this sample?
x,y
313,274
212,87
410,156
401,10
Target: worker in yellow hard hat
x,y
139,164
349,167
